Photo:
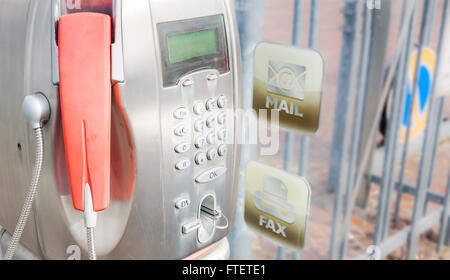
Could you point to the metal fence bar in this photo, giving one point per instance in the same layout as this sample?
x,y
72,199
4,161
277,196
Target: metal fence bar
x,y
391,141
312,41
403,91
429,150
412,190
297,29
358,117
390,144
250,18
444,231
289,140
304,140
398,239
445,11
289,144
290,137
339,155
425,162
432,129
379,110
413,97
419,202
429,27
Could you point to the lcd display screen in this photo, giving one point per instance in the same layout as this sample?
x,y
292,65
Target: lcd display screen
x,y
185,46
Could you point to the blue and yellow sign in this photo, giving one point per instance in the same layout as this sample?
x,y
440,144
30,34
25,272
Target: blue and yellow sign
x,y
423,93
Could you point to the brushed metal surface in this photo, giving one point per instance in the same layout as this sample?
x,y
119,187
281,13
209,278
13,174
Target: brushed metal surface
x,y
146,225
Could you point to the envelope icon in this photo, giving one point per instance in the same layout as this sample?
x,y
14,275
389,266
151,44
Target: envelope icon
x,y
273,200
286,79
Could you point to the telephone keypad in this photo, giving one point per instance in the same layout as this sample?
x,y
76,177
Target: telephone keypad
x,y
209,132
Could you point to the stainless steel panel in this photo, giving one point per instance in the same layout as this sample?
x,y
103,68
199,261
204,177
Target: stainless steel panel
x,y
147,224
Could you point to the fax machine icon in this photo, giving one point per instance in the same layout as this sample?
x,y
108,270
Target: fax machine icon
x,y
286,79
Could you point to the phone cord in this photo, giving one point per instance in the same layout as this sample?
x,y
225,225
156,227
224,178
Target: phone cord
x,y
91,243
30,195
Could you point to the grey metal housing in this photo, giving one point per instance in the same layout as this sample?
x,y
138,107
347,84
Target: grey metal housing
x,y
147,225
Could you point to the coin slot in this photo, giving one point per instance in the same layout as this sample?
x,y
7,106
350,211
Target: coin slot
x,y
207,216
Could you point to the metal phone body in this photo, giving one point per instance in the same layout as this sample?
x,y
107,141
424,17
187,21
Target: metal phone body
x,y
163,194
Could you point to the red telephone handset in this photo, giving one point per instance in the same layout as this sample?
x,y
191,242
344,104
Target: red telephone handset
x,y
84,42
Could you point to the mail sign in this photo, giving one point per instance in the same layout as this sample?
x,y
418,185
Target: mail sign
x,y
277,204
289,80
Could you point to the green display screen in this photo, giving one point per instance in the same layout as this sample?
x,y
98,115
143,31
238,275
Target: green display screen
x,y
189,45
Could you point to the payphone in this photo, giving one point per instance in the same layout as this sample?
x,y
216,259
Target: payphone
x,y
173,154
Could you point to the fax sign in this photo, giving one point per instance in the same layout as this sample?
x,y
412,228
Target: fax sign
x,y
277,204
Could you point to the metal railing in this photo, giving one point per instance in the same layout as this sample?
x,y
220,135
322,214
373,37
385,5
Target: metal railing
x,y
358,117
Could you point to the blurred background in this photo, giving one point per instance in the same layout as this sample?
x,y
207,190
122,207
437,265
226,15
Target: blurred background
x,y
378,170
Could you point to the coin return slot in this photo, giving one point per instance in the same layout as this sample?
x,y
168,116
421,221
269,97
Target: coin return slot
x,y
209,213
207,217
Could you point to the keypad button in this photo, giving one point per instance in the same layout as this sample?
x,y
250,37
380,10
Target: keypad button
x,y
212,77
222,150
222,135
180,113
200,142
200,158
182,203
181,130
183,164
211,154
199,125
211,104
199,108
211,122
182,148
188,83
211,175
211,138
222,101
221,118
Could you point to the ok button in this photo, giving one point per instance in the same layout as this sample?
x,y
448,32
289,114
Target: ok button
x,y
211,175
